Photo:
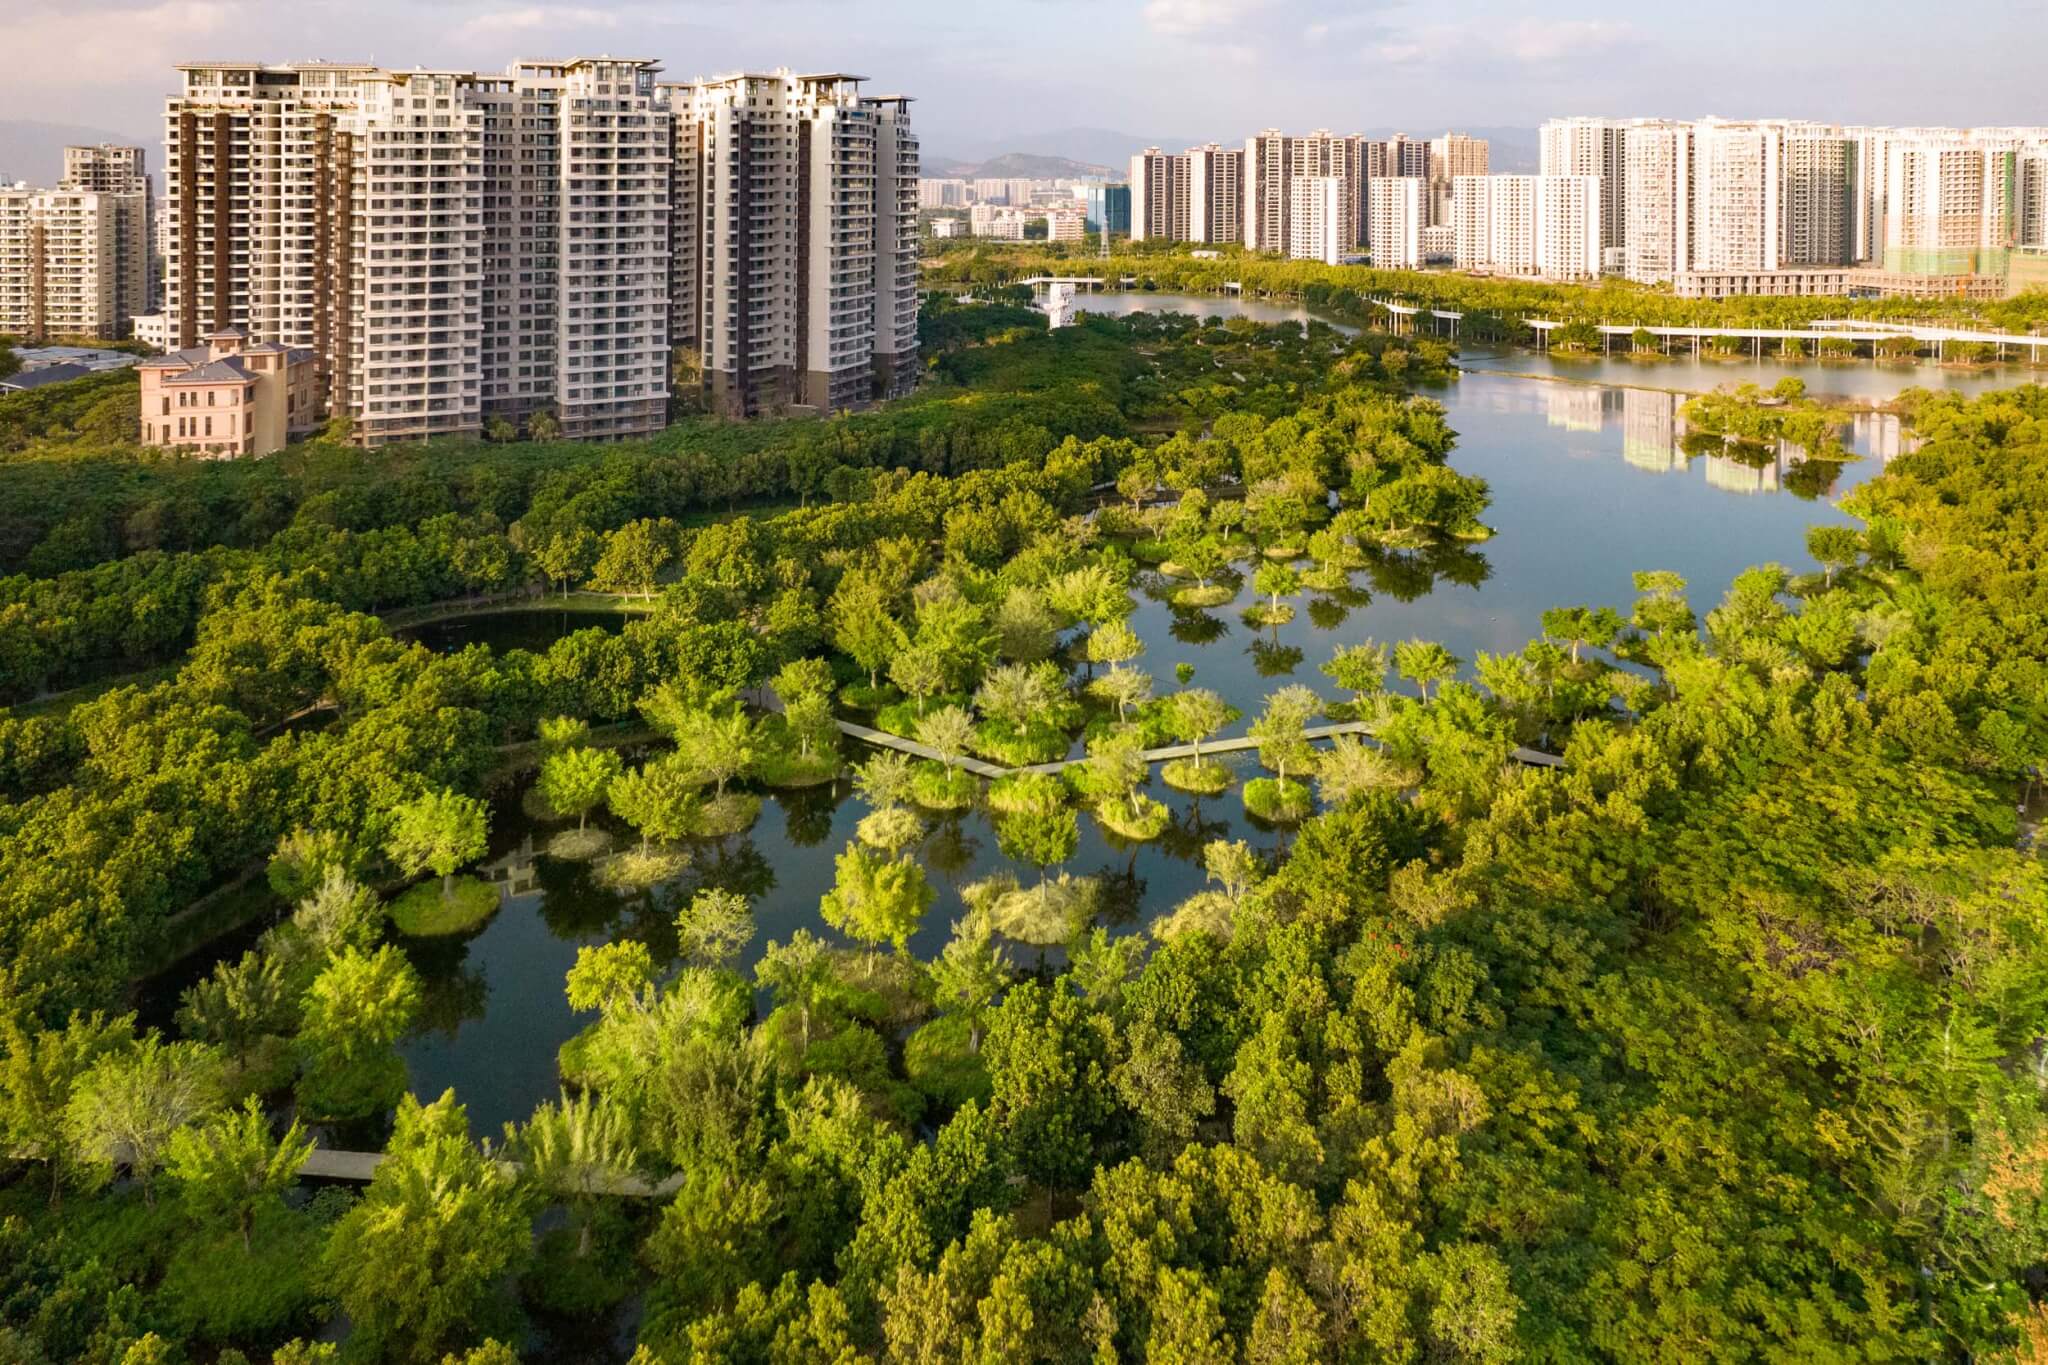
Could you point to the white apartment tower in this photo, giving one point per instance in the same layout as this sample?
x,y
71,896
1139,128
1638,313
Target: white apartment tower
x,y
1950,204
1319,219
1737,173
1568,227
1395,211
1659,202
67,263
795,250
1546,225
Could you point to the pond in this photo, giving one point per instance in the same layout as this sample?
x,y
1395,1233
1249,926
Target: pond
x,y
1856,379
1590,482
495,1010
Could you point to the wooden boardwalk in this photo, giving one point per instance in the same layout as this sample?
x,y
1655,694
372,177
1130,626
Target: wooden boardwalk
x,y
326,1163
885,740
1533,757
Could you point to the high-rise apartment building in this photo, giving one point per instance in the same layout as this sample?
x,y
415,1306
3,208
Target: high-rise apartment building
x,y
1546,225
1593,146
1658,201
795,260
1395,209
1568,227
1191,196
457,248
1951,204
1319,219
1450,156
68,263
2032,173
1737,172
112,168
1274,161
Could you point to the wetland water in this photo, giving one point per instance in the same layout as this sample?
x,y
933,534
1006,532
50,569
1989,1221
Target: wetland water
x,y
1589,483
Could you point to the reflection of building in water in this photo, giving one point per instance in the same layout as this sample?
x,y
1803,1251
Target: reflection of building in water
x,y
1880,435
1576,407
1733,476
513,874
1650,430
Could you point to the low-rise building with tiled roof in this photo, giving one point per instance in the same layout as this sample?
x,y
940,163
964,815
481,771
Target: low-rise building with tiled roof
x,y
230,397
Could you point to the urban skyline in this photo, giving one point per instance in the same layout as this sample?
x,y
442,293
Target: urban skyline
x,y
1152,69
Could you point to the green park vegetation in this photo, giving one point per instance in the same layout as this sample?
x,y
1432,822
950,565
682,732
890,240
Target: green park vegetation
x,y
1720,1040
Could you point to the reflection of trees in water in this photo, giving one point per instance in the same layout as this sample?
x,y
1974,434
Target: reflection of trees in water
x,y
730,864
1190,831
1326,613
1193,627
450,1001
807,812
454,992
949,849
1811,479
573,904
1272,658
1406,575
1121,893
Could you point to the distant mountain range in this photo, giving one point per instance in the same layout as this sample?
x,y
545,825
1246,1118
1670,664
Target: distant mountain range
x,y
1097,151
1018,165
35,151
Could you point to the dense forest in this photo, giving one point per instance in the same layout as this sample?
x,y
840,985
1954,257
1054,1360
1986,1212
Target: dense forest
x,y
1492,308
1722,1039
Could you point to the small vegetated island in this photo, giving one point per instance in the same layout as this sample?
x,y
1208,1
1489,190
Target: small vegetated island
x,y
1720,1039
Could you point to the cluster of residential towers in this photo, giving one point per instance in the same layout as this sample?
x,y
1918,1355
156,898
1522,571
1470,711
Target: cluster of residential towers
x,y
1710,206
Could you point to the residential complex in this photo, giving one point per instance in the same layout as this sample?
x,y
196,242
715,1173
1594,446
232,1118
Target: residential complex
x,y
1541,225
75,260
1716,207
1396,212
795,253
1191,196
457,248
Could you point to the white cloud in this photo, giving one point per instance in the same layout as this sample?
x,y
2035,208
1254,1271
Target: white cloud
x,y
1197,18
152,38
536,19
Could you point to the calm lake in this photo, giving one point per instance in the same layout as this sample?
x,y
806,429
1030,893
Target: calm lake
x,y
1589,483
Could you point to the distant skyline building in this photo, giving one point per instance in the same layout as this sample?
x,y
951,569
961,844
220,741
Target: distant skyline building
x,y
1320,219
1191,196
1451,156
1108,209
1718,207
1395,212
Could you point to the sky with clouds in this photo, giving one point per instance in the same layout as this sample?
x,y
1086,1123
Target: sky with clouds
x,y
985,72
